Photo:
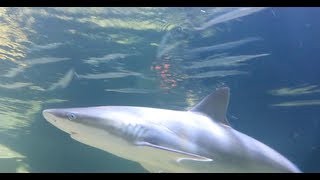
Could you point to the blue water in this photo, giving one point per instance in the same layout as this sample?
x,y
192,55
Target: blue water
x,y
158,41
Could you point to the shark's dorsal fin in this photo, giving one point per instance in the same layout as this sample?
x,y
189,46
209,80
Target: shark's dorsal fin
x,y
215,105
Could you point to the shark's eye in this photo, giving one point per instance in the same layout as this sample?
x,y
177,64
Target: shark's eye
x,y
71,116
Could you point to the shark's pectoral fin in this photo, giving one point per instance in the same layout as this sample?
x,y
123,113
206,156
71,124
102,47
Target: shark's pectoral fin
x,y
215,105
170,160
172,154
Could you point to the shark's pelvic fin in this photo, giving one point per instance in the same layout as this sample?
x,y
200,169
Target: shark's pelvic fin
x,y
215,105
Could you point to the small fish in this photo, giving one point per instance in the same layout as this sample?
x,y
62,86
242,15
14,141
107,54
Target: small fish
x,y
108,75
109,57
37,47
28,63
13,72
63,82
224,61
287,91
224,46
314,102
130,90
16,85
44,60
230,16
214,74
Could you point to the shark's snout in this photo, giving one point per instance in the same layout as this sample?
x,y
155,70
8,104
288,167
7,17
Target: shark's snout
x,y
49,114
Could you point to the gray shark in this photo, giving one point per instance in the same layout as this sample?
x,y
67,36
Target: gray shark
x,y
161,140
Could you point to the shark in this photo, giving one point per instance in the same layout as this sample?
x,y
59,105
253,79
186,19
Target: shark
x,y
197,140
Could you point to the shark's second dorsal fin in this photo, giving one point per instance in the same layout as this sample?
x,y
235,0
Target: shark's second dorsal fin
x,y
215,105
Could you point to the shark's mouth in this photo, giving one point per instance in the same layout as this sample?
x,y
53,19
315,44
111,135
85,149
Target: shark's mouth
x,y
73,133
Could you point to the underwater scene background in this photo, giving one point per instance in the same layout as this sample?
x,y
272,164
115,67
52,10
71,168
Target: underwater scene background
x,y
156,57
